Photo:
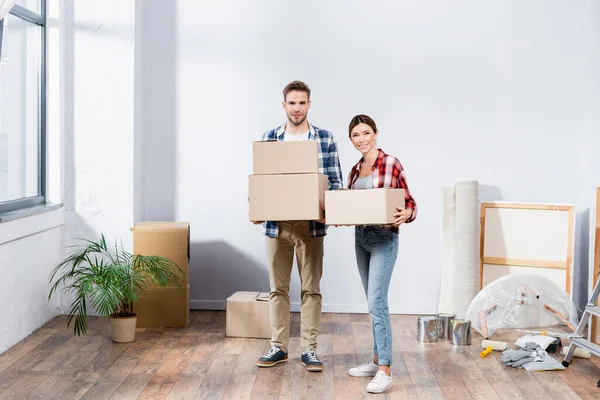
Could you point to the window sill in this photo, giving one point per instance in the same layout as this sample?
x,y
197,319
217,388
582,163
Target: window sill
x,y
29,221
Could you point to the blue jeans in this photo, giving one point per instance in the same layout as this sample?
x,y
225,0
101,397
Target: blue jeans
x,y
376,252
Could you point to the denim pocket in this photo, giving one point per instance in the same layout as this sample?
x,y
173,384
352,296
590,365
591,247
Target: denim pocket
x,y
381,237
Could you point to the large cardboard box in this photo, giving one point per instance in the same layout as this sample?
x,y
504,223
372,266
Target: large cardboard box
x,y
170,306
247,315
362,207
163,308
165,239
276,157
295,197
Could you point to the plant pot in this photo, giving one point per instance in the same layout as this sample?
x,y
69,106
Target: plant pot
x,y
122,329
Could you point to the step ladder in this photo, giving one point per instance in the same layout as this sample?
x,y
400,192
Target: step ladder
x,y
577,340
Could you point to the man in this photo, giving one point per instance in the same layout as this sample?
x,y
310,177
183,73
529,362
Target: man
x,y
305,236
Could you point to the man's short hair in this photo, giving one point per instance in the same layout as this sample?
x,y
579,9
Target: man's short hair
x,y
296,86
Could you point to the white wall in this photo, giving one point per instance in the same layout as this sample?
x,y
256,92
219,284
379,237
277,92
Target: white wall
x,y
497,92
90,162
26,265
97,110
589,150
99,59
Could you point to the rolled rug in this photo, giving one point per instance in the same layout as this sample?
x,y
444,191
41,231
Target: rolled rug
x,y
447,295
466,245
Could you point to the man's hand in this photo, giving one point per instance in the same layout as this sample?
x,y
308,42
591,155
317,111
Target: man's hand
x,y
322,220
401,216
257,222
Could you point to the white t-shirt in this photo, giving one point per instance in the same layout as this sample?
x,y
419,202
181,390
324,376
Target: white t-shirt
x,y
295,138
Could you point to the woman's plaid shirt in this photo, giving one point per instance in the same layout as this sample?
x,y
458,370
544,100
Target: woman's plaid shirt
x,y
387,173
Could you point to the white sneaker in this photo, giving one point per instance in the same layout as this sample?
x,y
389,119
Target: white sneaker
x,y
380,383
368,369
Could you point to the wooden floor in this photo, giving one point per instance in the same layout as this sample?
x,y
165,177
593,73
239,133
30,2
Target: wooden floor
x,y
199,362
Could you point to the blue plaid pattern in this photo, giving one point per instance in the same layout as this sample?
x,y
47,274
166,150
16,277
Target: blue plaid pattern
x,y
329,164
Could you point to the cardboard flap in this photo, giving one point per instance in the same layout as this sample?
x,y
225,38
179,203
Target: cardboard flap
x,y
263,296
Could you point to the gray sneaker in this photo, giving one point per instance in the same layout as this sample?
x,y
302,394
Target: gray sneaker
x,y
275,355
311,361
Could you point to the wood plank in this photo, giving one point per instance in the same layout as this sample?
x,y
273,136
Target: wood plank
x,y
494,372
34,357
252,350
294,378
186,387
446,372
239,387
114,376
204,354
403,334
419,370
189,363
319,385
268,383
523,262
133,386
42,371
344,352
528,206
24,346
570,249
232,345
552,381
79,386
215,383
70,369
171,369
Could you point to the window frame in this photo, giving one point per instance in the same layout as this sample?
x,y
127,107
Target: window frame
x,y
40,20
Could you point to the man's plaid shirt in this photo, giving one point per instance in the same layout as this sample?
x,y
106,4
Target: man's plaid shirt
x,y
329,164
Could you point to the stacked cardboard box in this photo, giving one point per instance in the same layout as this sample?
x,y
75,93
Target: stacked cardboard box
x,y
286,184
170,306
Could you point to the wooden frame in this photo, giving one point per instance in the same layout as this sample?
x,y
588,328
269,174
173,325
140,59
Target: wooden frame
x,y
566,265
596,260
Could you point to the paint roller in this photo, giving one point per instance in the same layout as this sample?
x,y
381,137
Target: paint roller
x,y
579,352
494,345
485,352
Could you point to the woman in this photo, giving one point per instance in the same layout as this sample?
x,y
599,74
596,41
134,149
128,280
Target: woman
x,y
377,246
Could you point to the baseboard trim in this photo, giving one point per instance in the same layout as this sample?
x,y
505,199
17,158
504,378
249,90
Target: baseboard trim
x,y
327,308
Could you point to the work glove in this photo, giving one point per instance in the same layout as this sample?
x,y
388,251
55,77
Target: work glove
x,y
528,353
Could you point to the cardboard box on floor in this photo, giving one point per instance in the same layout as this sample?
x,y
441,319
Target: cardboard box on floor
x,y
362,207
165,239
247,315
276,157
293,197
164,307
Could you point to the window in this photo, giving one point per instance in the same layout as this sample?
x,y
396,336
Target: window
x,y
22,106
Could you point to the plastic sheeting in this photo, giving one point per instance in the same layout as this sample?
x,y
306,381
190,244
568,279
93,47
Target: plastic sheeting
x,y
521,301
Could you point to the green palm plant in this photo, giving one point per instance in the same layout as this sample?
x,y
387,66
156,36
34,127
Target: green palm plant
x,y
112,280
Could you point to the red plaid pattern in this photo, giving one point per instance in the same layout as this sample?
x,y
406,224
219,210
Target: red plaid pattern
x,y
387,173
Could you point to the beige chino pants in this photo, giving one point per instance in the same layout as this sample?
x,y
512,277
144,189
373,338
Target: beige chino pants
x,y
309,257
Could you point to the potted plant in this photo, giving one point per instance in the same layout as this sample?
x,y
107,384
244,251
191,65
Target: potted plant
x,y
112,280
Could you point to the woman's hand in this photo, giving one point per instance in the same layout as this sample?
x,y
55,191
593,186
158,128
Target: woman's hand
x,y
401,216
